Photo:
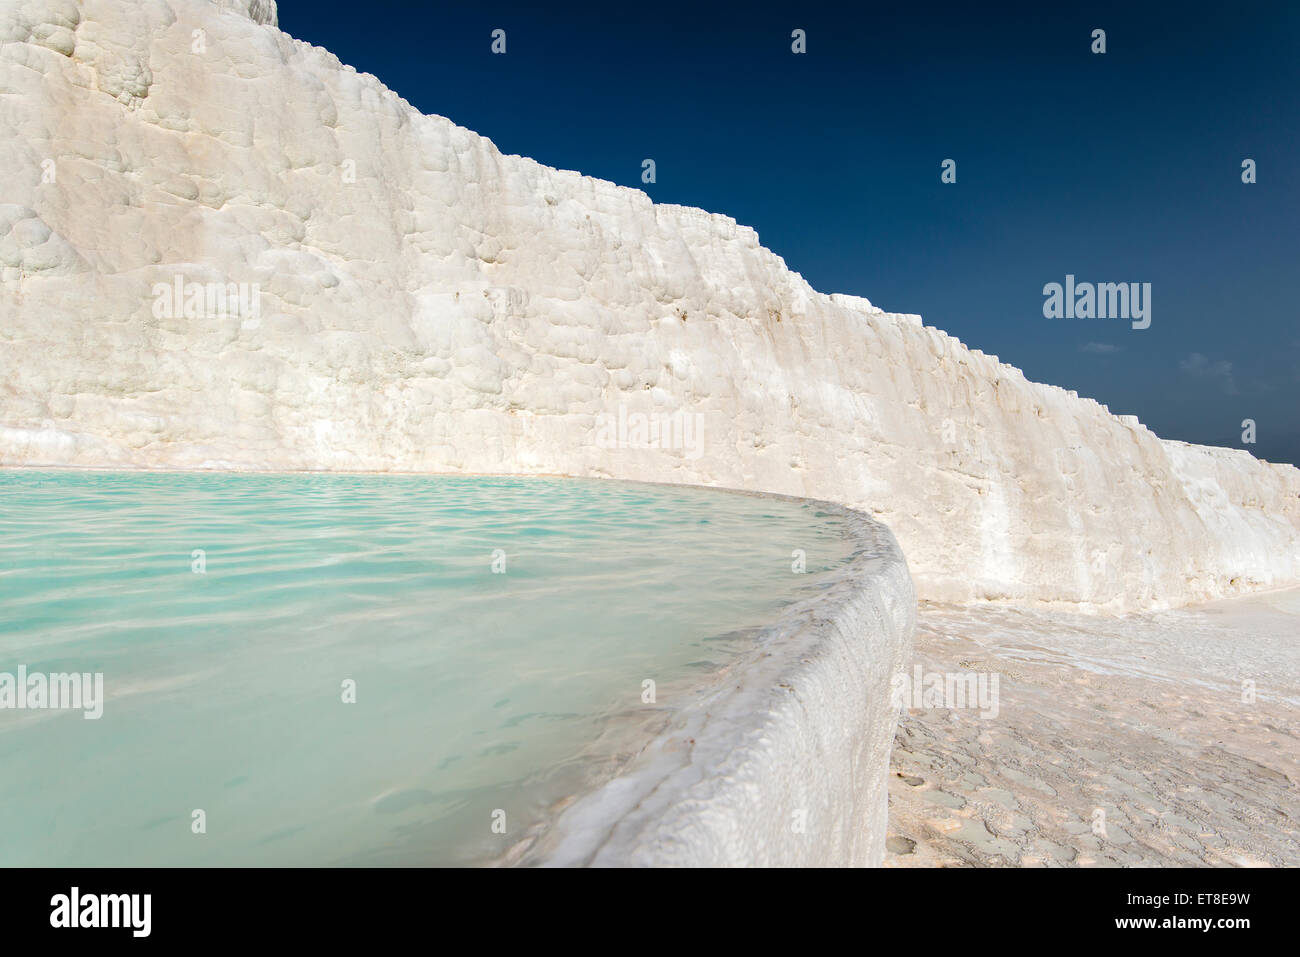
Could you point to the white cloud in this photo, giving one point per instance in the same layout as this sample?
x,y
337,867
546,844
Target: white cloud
x,y
1202,368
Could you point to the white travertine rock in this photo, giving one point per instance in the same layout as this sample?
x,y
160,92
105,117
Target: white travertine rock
x,y
259,11
429,304
784,760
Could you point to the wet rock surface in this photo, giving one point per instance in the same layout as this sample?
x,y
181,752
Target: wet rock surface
x,y
1118,741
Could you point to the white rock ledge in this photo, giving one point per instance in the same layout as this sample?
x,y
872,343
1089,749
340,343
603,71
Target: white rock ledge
x,y
799,728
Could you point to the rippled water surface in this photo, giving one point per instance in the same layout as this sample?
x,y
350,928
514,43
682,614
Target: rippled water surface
x,y
498,631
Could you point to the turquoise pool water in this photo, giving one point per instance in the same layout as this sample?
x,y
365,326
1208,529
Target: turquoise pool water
x,y
497,632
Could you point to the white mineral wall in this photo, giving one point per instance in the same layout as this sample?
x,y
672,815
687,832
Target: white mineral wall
x,y
428,304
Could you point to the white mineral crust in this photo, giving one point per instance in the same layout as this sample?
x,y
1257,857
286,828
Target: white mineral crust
x,y
428,304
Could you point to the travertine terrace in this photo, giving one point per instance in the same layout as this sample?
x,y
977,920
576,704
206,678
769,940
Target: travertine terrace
x,y
427,303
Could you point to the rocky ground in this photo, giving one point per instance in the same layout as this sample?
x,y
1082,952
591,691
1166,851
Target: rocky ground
x,y
1168,738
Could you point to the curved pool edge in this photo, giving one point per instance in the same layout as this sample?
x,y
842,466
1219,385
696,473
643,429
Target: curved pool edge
x,y
781,761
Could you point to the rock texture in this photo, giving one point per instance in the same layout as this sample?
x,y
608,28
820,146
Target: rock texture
x,y
784,761
426,303
1168,739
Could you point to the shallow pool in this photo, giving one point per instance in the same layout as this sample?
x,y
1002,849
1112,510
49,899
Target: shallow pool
x,y
357,669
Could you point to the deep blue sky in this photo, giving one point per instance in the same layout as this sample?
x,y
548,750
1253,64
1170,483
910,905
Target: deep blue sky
x,y
1117,167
